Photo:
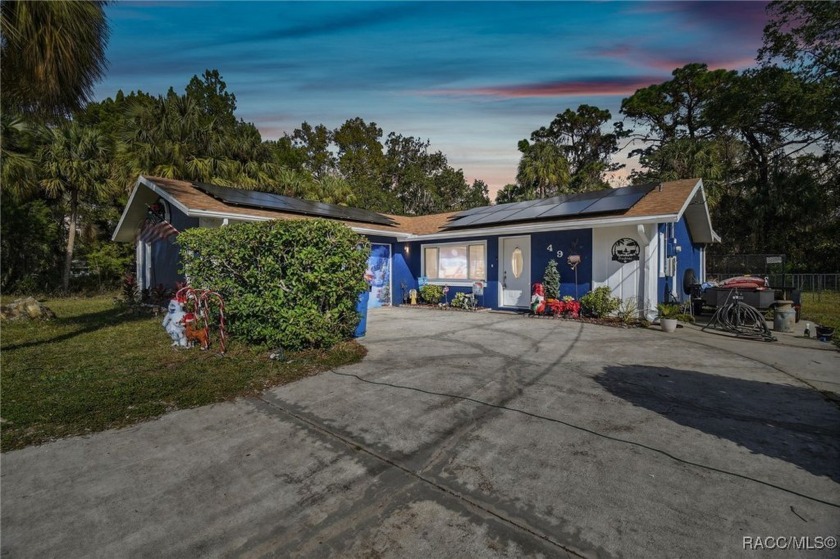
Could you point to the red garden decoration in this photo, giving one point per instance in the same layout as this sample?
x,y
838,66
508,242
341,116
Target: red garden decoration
x,y
197,320
552,307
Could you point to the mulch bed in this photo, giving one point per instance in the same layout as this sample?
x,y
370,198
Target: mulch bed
x,y
442,308
611,321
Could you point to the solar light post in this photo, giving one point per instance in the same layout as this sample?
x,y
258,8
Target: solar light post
x,y
573,261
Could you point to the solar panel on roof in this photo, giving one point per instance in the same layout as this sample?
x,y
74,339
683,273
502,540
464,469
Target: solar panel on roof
x,y
466,220
480,209
277,202
615,203
628,190
460,219
593,194
494,218
573,207
529,213
523,205
565,206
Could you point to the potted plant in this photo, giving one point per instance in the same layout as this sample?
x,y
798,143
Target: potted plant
x,y
669,315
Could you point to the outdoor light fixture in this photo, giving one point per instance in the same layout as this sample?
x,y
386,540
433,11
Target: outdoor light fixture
x,y
406,249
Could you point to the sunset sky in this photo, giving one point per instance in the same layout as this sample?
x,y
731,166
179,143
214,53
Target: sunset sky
x,y
472,78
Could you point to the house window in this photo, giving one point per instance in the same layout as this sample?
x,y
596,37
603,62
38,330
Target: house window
x,y
455,261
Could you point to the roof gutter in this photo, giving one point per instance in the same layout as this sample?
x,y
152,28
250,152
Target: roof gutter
x,y
399,235
553,226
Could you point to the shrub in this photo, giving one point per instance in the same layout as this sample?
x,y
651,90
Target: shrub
x,y
130,289
551,280
463,301
292,283
108,262
628,310
671,310
431,293
600,302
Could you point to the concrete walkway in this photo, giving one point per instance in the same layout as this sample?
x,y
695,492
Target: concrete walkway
x,y
463,435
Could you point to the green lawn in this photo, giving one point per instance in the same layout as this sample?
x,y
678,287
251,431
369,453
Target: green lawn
x,y
99,366
822,308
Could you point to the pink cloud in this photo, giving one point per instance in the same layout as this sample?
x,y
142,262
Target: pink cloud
x,y
746,16
273,132
670,64
654,59
561,88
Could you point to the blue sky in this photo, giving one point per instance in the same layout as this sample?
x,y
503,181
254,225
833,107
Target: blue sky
x,y
471,77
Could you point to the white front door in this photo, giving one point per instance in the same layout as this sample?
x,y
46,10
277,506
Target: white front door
x,y
515,272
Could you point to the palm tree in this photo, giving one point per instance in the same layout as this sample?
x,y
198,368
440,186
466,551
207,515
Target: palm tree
x,y
53,53
171,136
19,140
74,164
165,137
514,193
543,166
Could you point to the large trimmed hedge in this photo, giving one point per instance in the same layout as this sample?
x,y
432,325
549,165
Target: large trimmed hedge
x,y
291,283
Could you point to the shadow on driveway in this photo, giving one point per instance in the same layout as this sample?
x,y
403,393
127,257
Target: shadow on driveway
x,y
793,424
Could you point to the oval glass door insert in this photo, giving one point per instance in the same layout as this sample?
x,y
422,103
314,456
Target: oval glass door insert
x,y
516,262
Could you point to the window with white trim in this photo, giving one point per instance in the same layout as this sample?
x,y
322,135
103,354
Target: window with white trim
x,y
455,261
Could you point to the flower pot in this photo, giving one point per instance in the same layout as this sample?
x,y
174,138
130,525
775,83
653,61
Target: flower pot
x,y
668,324
825,333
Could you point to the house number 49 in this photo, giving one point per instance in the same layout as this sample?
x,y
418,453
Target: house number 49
x,y
550,248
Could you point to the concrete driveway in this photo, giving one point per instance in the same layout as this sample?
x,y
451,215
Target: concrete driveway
x,y
485,435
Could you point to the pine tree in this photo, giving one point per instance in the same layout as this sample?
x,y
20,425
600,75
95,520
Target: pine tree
x,y
551,281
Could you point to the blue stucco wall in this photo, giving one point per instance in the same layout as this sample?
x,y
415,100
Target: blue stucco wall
x,y
491,295
688,257
166,259
577,241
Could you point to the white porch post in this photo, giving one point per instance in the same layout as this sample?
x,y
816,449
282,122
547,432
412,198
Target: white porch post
x,y
649,269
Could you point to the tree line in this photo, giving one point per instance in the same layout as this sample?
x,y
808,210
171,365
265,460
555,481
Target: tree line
x,y
764,140
66,177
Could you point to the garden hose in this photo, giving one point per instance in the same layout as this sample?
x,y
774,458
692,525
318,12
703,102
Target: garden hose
x,y
741,319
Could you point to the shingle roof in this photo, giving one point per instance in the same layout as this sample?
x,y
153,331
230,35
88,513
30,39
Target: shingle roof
x,y
667,199
195,200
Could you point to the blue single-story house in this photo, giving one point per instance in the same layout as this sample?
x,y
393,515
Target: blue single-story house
x,y
641,241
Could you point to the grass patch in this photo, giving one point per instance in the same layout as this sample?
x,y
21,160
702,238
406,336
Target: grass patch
x,y
98,366
822,308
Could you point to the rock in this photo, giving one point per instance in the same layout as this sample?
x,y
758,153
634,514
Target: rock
x,y
26,308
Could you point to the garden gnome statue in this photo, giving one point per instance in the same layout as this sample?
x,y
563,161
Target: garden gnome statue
x,y
537,299
173,325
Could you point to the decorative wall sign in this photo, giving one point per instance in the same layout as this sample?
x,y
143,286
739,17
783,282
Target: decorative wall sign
x,y
625,250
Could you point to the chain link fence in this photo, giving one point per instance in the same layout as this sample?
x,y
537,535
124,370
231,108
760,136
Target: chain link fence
x,y
807,283
770,266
